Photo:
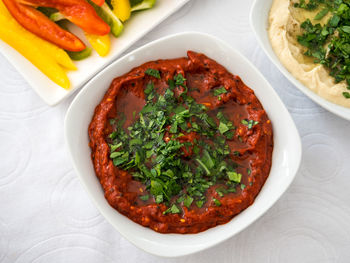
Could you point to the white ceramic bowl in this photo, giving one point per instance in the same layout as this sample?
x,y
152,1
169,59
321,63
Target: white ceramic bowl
x,y
138,25
259,21
286,154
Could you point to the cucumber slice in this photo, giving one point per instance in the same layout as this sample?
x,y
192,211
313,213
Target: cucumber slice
x,y
135,2
109,17
145,4
81,54
57,17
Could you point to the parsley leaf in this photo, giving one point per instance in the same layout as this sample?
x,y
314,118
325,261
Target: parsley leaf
x,y
179,80
321,14
173,209
249,123
346,95
149,88
216,202
235,177
153,72
223,128
144,197
200,203
188,201
219,91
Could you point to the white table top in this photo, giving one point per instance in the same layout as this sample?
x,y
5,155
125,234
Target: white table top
x,y
46,215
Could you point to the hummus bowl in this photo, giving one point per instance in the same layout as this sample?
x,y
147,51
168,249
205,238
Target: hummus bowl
x,y
285,159
259,18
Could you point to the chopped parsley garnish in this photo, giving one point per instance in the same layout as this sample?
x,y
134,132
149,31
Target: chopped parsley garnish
x,y
173,209
200,203
144,197
156,151
153,72
346,95
216,202
322,14
311,5
188,201
235,177
219,91
328,44
223,128
179,80
220,191
249,123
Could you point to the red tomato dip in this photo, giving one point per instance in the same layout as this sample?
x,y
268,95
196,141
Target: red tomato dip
x,y
180,145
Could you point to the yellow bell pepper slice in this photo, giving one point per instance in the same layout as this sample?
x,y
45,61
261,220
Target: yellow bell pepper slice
x,y
102,44
3,11
51,50
60,56
46,64
122,9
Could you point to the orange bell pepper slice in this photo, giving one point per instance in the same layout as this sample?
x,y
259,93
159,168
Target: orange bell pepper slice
x,y
79,12
37,23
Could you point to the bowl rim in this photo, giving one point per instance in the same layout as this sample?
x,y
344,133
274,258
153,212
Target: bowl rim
x,y
336,109
89,85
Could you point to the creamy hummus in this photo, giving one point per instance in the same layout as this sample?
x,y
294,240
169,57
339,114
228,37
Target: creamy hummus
x,y
284,26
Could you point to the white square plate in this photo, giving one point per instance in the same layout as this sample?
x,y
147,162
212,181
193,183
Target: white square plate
x,y
286,154
138,25
259,21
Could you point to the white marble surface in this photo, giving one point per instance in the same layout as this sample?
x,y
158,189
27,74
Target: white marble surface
x,y
45,215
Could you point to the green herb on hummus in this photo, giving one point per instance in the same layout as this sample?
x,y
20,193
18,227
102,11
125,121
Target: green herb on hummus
x,y
329,44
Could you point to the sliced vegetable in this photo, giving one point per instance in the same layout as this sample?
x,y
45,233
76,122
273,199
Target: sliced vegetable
x,y
122,9
101,44
57,16
98,2
145,4
48,11
78,12
33,53
40,25
135,2
4,12
109,17
81,54
59,55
